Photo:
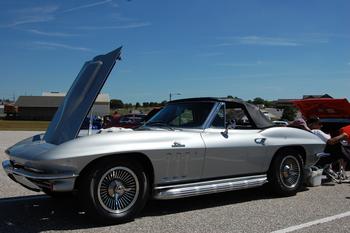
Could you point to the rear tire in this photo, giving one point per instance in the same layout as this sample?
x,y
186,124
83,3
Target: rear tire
x,y
286,172
114,191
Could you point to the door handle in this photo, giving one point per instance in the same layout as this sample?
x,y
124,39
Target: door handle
x,y
260,141
177,144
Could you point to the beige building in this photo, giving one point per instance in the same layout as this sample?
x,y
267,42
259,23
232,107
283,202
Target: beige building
x,y
45,106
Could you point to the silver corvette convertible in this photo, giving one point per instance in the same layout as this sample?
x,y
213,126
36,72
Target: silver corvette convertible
x,y
191,147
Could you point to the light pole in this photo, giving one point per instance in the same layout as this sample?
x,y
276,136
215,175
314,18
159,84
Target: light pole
x,y
172,94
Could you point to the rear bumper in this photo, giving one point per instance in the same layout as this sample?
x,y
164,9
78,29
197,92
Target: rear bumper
x,y
39,181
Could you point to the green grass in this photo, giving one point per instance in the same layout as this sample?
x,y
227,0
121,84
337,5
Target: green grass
x,y
23,125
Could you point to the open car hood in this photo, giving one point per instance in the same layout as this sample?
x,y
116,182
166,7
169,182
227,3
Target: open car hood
x,y
324,108
81,96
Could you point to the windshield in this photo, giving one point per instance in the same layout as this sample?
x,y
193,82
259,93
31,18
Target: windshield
x,y
183,115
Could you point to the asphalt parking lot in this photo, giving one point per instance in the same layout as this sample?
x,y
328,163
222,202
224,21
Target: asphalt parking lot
x,y
318,209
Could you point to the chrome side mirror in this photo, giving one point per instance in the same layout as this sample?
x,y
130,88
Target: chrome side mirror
x,y
229,125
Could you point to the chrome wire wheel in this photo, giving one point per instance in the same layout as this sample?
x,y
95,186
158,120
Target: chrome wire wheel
x,y
290,171
118,190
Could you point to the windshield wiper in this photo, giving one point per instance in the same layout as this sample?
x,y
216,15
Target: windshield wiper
x,y
157,123
160,124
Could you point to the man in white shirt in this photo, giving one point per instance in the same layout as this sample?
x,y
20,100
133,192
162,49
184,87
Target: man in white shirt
x,y
324,137
333,148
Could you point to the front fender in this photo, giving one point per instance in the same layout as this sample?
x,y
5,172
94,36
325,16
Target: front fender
x,y
160,147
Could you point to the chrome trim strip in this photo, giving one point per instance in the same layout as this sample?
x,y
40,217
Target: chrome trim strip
x,y
207,187
36,182
36,176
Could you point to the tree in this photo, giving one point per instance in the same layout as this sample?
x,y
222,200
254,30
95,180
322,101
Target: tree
x,y
258,100
137,105
289,113
269,104
115,103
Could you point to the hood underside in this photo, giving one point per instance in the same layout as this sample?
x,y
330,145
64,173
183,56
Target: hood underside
x,y
81,96
324,108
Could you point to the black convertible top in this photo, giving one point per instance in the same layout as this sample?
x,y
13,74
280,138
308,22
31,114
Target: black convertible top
x,y
253,112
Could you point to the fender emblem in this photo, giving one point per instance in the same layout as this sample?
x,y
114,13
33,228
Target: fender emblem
x,y
177,144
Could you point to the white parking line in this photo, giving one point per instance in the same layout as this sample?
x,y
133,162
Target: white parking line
x,y
309,224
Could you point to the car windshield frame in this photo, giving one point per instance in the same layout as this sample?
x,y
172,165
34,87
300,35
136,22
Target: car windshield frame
x,y
158,119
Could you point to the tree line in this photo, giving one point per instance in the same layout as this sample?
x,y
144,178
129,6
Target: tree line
x,y
289,112
117,103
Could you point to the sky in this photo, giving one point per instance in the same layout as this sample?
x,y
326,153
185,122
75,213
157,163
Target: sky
x,y
245,48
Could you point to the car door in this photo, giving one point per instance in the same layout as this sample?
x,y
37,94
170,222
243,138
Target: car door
x,y
181,150
180,157
234,151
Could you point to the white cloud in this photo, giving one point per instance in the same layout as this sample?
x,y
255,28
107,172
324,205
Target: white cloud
x,y
125,26
58,34
268,41
30,19
224,44
87,6
239,64
271,41
51,45
37,10
32,15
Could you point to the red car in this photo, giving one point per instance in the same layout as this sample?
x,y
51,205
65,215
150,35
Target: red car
x,y
333,113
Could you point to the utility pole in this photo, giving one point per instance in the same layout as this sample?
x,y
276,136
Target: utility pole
x,y
172,94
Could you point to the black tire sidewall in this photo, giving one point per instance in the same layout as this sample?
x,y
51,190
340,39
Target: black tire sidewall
x,y
274,173
96,210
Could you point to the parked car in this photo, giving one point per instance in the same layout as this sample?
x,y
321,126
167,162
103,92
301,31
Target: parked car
x,y
333,113
131,121
190,147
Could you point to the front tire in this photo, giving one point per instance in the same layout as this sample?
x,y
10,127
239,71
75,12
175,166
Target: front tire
x,y
286,172
114,191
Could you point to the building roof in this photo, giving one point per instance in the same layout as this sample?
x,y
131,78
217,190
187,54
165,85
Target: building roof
x,y
285,100
316,96
102,97
51,101
53,93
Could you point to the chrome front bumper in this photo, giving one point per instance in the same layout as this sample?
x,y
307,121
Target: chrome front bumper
x,y
39,181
